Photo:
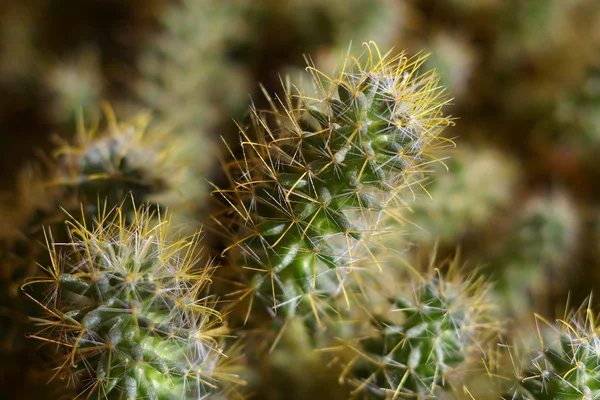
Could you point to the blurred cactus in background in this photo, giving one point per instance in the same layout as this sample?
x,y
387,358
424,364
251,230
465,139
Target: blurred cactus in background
x,y
578,114
190,80
465,194
76,87
536,255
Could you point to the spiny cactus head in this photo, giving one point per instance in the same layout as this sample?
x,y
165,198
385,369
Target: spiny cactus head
x,y
99,168
112,162
124,305
569,370
434,330
310,191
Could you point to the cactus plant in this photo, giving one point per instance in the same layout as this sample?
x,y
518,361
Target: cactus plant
x,y
568,370
99,168
536,252
432,328
103,164
125,305
75,85
316,176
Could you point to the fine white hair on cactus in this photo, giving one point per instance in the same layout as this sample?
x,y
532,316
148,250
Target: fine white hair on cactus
x,y
316,176
424,333
128,305
567,367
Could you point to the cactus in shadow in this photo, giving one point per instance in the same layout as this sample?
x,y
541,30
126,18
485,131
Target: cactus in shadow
x,y
95,171
103,164
306,199
126,307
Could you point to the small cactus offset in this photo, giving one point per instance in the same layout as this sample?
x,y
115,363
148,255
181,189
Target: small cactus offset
x,y
124,304
317,175
569,370
435,328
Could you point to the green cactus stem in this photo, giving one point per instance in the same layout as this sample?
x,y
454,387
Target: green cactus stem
x,y
124,307
317,175
436,327
569,370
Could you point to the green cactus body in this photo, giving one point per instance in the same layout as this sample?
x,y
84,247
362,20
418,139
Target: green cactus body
x,y
309,193
426,337
571,371
125,307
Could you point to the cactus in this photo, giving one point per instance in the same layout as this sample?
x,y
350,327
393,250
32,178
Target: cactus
x,y
316,177
125,305
478,184
454,59
537,250
99,168
103,165
417,346
569,370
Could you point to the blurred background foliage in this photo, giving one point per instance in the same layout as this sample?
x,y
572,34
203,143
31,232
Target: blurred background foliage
x,y
521,196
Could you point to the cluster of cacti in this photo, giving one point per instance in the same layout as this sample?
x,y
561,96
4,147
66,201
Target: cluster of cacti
x,y
337,185
93,173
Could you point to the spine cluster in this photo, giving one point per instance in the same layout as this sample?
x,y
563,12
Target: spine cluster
x,y
568,370
317,175
125,308
415,347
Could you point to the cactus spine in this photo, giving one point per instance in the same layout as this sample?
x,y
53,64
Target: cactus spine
x,y
569,371
125,306
310,190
